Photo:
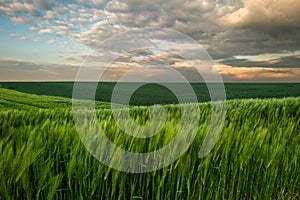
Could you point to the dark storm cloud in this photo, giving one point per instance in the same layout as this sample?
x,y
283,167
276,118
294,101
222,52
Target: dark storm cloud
x,y
284,62
262,26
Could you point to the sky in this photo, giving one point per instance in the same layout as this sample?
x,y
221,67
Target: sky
x,y
247,40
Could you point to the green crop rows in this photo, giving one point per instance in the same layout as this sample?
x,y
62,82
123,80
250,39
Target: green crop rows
x,y
42,157
150,94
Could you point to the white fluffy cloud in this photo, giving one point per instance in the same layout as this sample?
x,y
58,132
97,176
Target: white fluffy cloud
x,y
14,8
24,37
45,31
20,20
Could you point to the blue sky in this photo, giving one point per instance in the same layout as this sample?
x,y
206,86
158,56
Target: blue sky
x,y
249,40
22,43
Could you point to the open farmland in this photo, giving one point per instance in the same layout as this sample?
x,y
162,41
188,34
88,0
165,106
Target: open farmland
x,y
156,94
41,155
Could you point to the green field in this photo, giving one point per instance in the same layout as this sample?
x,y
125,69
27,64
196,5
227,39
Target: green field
x,y
155,94
42,157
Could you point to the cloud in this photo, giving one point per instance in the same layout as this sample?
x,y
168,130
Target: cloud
x,y
20,20
225,28
97,2
45,31
13,9
24,37
269,16
284,62
14,34
59,33
192,18
51,41
32,28
38,40
78,58
91,22
41,4
18,70
259,74
261,26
